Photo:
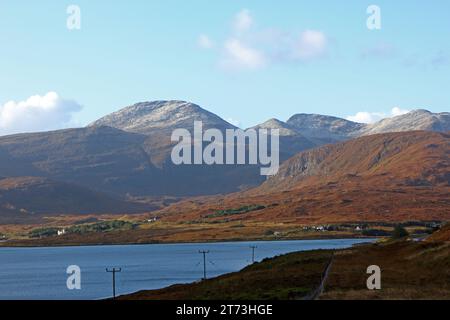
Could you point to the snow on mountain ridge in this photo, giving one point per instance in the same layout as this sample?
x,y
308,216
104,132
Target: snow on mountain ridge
x,y
283,127
145,117
419,119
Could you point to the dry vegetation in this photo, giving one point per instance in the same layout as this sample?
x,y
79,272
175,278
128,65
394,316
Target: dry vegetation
x,y
168,232
291,276
410,270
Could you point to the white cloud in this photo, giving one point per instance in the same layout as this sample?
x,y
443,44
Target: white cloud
x,y
205,42
238,56
396,111
243,21
366,117
371,117
37,113
249,48
312,44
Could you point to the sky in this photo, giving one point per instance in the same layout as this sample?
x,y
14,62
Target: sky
x,y
246,61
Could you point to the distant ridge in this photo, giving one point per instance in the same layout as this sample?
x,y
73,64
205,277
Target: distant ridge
x,y
414,120
323,129
284,128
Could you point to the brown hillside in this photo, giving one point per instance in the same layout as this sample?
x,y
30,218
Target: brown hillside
x,y
22,198
410,158
442,235
385,177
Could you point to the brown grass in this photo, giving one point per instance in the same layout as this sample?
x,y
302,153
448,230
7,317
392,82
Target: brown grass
x,y
290,276
408,271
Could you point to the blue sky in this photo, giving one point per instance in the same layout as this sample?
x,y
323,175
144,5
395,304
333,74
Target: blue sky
x,y
244,60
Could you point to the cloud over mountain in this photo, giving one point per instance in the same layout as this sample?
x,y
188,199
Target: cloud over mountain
x,y
37,113
372,117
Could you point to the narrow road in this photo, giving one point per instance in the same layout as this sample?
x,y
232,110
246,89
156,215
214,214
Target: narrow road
x,y
324,280
319,290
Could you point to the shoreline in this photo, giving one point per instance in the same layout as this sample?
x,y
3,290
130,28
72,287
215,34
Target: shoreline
x,y
282,249
21,246
336,278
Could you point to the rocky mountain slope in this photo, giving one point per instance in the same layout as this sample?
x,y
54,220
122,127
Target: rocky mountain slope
x,y
385,177
122,163
29,198
327,129
284,128
414,120
127,153
291,141
413,158
161,116
324,127
118,162
102,158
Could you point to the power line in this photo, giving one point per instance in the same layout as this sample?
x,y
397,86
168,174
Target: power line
x,y
113,271
204,252
212,263
253,253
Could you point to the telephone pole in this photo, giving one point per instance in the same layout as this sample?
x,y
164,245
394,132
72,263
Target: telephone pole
x,y
204,252
253,253
113,271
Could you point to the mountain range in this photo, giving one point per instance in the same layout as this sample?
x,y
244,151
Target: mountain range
x,y
126,155
316,127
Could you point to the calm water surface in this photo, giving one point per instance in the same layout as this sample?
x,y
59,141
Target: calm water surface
x,y
40,273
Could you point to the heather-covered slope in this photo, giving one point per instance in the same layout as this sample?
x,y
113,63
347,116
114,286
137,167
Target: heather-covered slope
x,y
412,158
386,177
409,271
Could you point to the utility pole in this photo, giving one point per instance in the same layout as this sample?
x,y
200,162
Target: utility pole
x,y
204,262
113,271
253,253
